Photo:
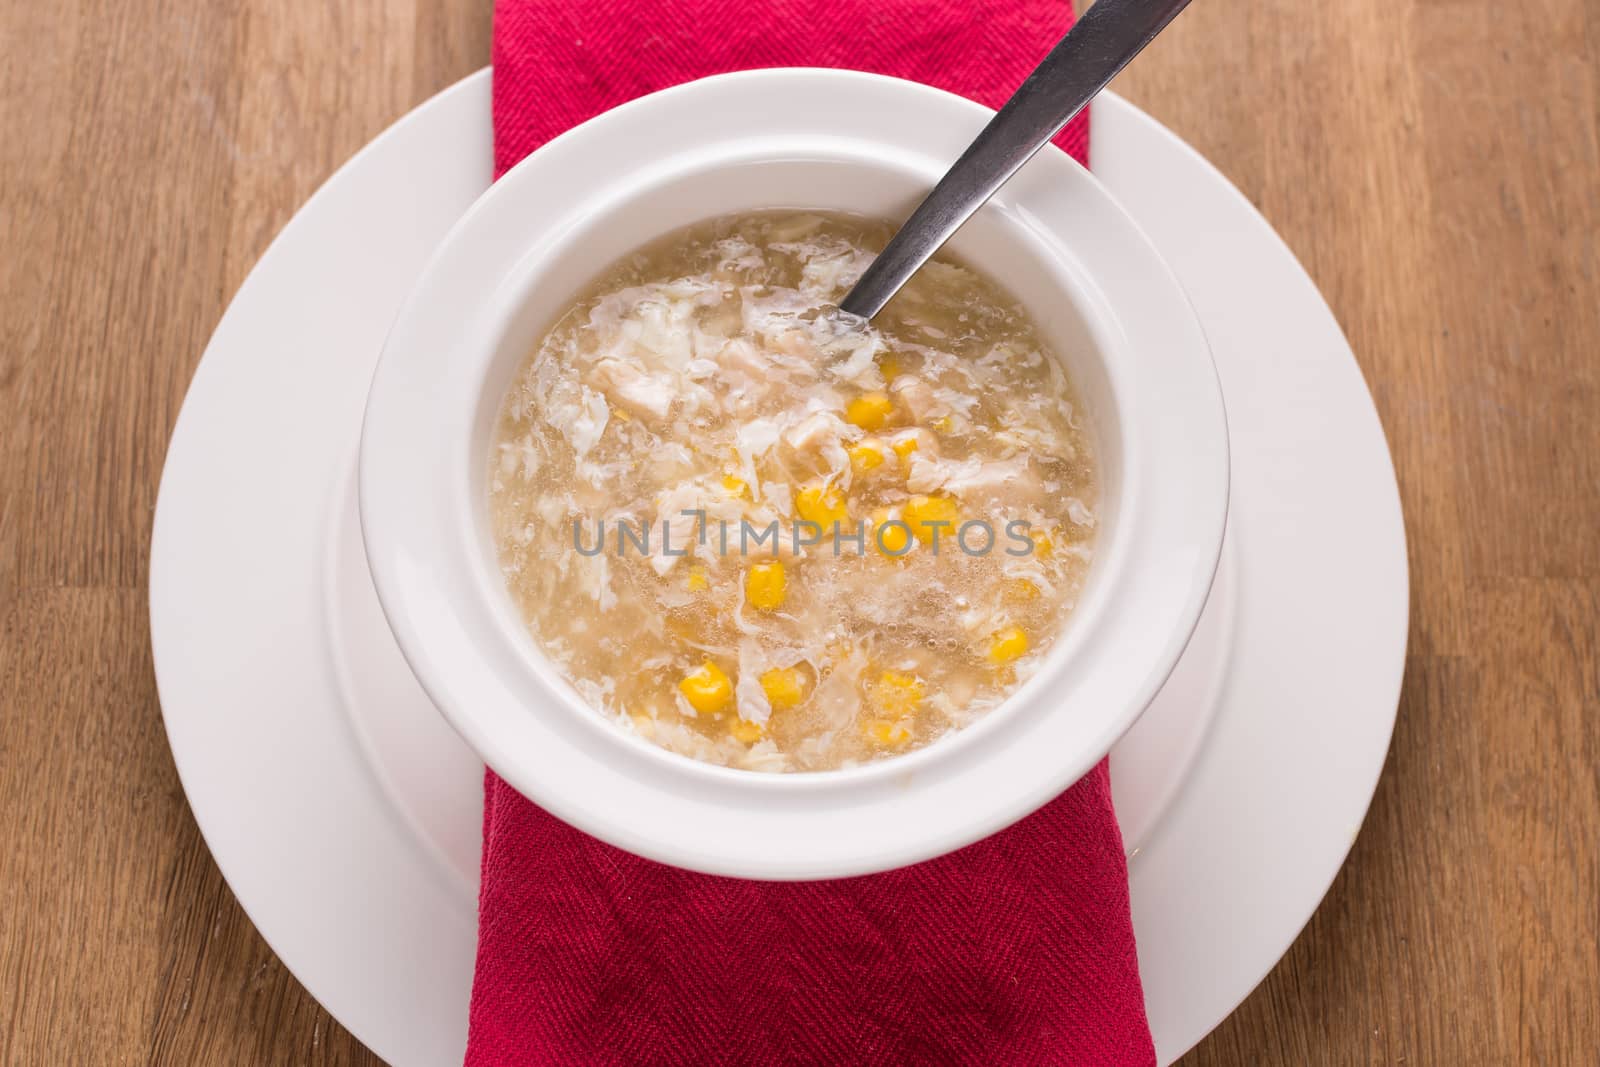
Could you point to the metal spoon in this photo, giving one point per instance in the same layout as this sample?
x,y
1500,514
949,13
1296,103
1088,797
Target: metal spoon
x,y
1089,56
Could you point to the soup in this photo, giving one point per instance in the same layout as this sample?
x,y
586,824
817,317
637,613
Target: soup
x,y
766,534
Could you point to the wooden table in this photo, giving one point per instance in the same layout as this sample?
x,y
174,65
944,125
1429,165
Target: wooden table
x,y
1435,166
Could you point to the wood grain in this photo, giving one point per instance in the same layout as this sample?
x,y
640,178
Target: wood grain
x,y
1434,164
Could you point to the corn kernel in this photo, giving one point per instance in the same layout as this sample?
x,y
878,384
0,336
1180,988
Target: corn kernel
x,y
887,734
707,688
870,411
735,485
866,456
698,580
1019,590
890,366
904,445
896,694
746,732
924,513
821,504
945,424
1043,545
785,687
1007,644
765,586
893,541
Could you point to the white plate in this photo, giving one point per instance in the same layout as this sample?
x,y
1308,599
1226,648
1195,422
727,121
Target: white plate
x,y
345,814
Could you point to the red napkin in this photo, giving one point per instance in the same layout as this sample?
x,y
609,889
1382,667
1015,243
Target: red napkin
x,y
1015,950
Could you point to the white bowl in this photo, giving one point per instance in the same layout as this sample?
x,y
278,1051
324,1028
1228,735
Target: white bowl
x,y
808,139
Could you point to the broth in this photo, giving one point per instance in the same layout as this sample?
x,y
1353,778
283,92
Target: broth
x,y
929,476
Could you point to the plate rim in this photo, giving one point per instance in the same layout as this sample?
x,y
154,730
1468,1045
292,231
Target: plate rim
x,y
476,84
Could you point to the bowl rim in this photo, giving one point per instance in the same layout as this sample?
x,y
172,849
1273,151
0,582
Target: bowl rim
x,y
480,260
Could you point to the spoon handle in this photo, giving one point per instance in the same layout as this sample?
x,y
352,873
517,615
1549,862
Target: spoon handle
x,y
1102,42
